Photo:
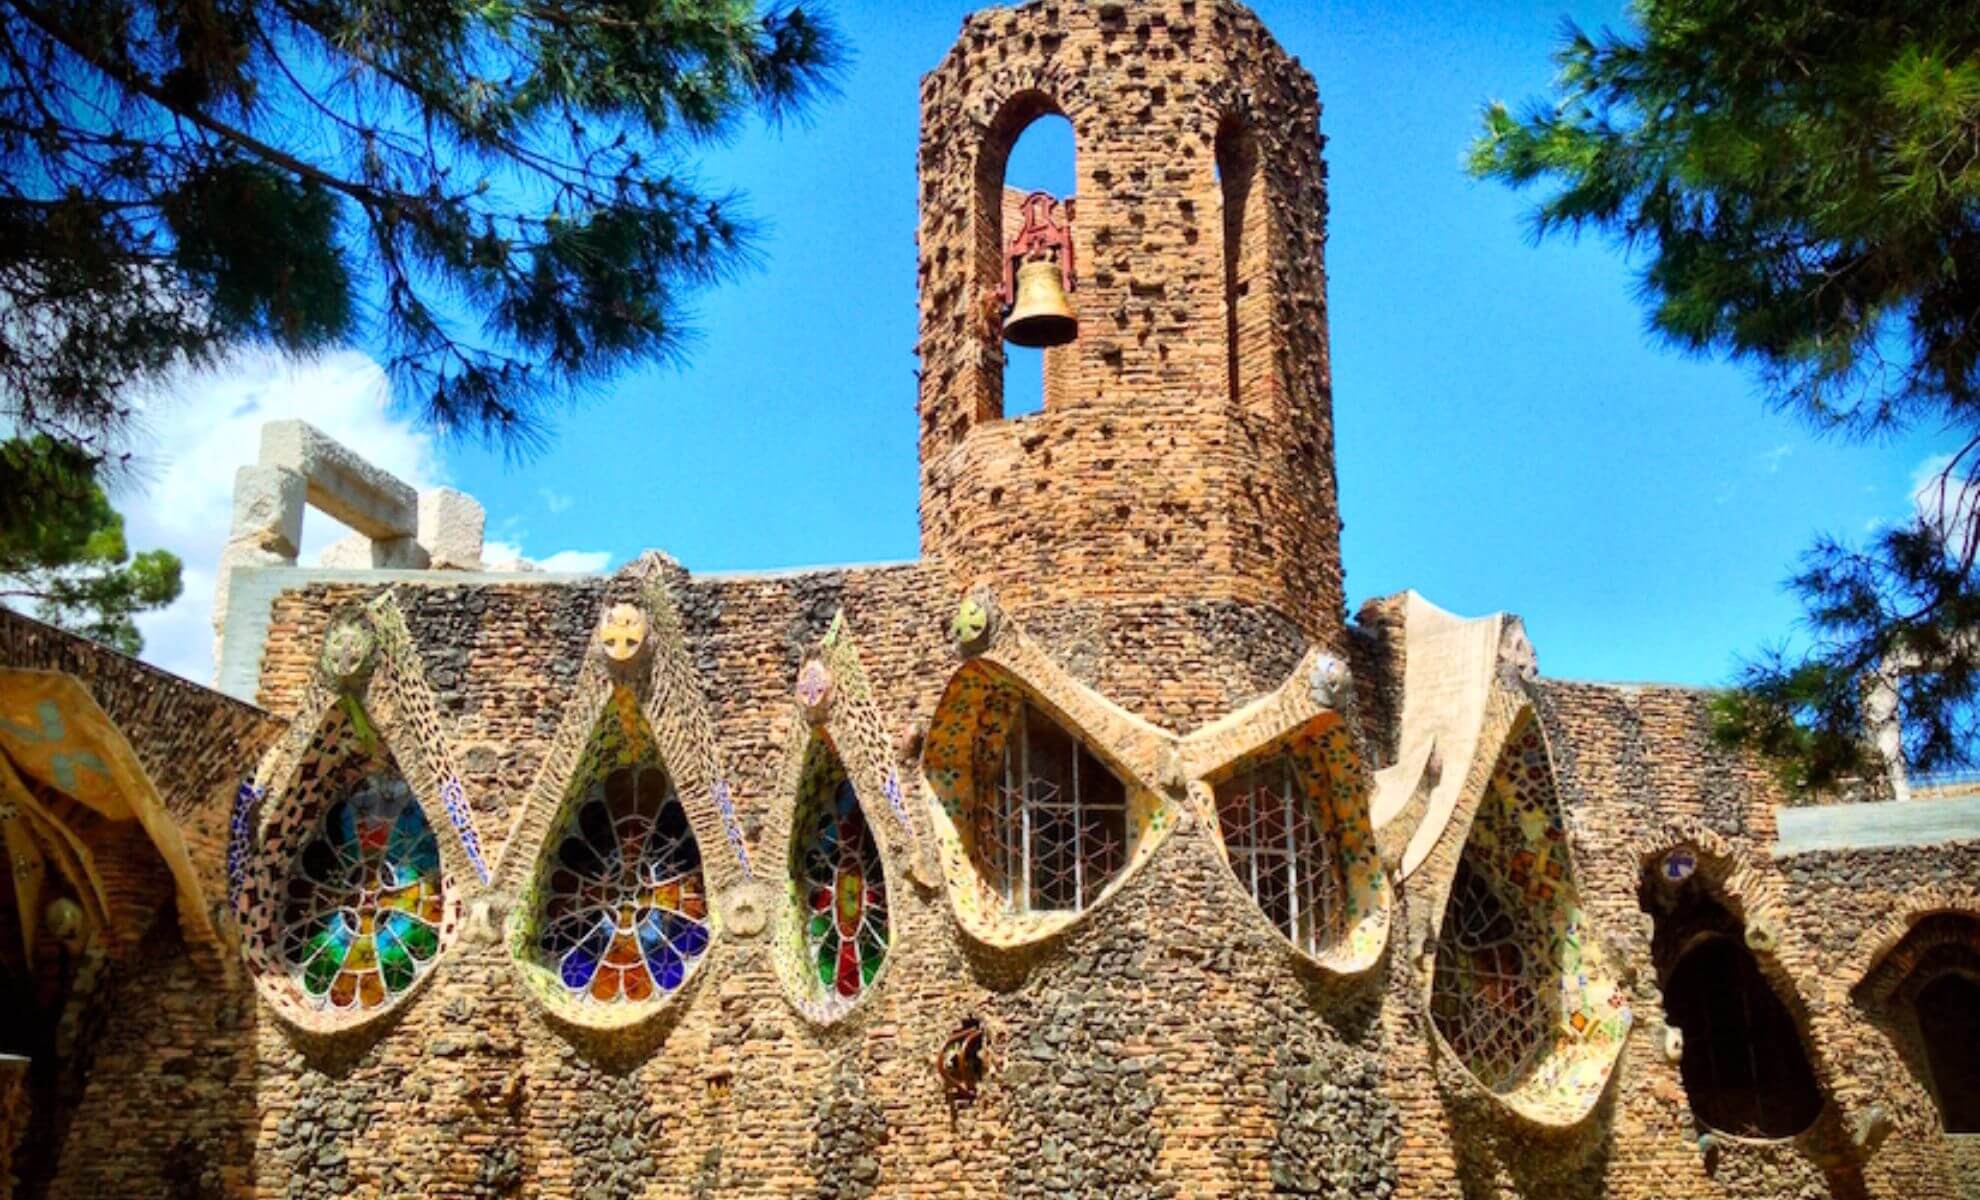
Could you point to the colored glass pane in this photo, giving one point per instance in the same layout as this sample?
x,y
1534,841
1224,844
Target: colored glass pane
x,y
624,913
362,908
1514,979
838,882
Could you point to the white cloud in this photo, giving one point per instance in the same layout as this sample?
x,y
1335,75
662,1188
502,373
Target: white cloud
x,y
508,556
1947,502
206,425
203,427
583,562
1771,460
555,501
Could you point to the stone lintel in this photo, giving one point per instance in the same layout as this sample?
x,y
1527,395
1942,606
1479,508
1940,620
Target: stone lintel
x,y
341,484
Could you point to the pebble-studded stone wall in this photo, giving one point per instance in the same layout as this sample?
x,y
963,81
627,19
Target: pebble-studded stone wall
x,y
1171,1043
1164,539
1144,479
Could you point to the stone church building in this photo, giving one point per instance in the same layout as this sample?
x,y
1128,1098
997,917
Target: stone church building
x,y
1098,852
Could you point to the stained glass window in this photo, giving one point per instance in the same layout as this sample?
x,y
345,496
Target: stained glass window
x,y
1484,998
362,910
1512,932
840,887
1050,826
624,912
1283,849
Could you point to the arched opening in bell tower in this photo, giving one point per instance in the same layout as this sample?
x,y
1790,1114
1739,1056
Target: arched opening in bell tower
x,y
1247,262
1030,148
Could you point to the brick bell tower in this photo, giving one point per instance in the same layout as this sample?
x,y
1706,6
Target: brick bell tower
x,y
1183,462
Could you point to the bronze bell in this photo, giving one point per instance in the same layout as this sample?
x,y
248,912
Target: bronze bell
x,y
1041,315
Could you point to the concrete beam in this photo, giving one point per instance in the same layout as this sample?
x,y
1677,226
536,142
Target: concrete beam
x,y
340,483
268,508
1806,830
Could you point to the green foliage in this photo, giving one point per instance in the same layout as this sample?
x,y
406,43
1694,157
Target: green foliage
x,y
1801,184
494,189
62,546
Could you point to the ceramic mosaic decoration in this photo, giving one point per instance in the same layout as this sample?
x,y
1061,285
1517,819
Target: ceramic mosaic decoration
x,y
1520,993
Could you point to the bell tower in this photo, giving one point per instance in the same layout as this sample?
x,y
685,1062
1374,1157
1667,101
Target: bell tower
x,y
1184,457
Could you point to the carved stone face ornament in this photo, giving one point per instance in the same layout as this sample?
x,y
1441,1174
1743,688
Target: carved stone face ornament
x,y
622,634
1330,682
975,621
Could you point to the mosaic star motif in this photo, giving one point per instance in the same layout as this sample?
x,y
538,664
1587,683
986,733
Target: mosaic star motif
x,y
362,908
838,880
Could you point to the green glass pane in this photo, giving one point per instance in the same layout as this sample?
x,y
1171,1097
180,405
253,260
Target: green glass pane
x,y
322,970
820,926
828,963
397,968
421,940
870,966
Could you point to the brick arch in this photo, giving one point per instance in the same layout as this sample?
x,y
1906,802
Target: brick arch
x,y
1249,236
1751,899
1879,958
1939,937
989,216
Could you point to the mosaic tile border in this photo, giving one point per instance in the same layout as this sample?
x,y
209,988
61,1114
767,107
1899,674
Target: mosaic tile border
x,y
1141,753
1313,709
1567,1083
396,703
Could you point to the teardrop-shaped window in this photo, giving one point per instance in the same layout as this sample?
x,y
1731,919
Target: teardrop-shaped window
x,y
362,906
1521,992
1281,842
622,913
837,883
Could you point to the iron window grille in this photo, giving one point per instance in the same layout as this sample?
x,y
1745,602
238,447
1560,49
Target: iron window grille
x,y
1051,828
1283,850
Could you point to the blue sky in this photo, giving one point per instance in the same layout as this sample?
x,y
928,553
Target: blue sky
x,y
1508,435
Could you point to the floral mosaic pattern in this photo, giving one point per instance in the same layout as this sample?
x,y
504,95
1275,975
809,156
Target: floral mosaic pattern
x,y
362,910
621,913
837,882
1520,993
